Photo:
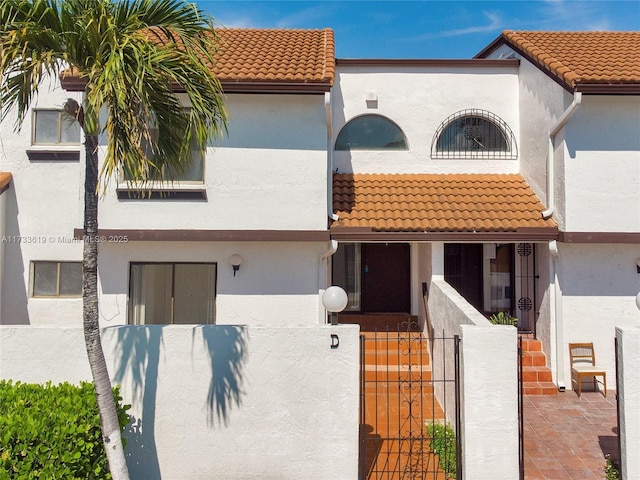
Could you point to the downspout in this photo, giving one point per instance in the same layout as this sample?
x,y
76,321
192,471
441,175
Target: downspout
x,y
322,279
556,302
327,109
564,118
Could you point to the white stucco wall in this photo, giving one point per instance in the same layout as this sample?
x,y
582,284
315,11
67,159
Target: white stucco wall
x,y
629,399
599,284
602,165
277,284
489,403
541,102
223,402
3,206
43,206
418,100
269,172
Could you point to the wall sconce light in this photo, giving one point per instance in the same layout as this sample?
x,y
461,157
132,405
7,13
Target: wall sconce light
x,y
235,260
638,265
335,300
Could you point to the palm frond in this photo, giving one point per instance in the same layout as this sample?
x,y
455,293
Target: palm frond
x,y
134,55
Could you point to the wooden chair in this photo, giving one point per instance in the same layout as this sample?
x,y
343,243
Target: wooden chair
x,y
583,364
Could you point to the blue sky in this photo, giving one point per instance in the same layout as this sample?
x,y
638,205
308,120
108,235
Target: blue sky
x,y
424,29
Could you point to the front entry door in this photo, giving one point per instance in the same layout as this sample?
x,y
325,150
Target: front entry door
x,y
386,280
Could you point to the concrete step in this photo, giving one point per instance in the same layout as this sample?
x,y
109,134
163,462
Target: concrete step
x,y
539,388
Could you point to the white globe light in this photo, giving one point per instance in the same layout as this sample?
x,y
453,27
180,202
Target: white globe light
x,y
638,300
334,299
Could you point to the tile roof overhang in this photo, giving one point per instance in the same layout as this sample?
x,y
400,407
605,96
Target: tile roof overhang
x,y
263,61
603,63
5,180
438,207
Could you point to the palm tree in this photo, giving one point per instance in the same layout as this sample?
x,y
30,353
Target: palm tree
x,y
135,56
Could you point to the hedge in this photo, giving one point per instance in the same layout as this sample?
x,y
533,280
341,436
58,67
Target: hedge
x,y
52,431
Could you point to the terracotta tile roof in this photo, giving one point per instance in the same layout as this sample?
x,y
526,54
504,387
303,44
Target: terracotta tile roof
x,y
579,58
255,55
5,180
263,60
436,203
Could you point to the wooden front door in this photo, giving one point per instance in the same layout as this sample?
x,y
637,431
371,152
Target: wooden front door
x,y
386,280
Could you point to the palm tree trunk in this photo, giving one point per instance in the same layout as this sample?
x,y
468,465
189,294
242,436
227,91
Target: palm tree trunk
x,y
104,395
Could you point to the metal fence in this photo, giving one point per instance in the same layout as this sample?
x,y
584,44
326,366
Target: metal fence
x,y
405,432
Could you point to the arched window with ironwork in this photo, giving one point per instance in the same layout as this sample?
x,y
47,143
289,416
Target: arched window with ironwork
x,y
371,132
474,133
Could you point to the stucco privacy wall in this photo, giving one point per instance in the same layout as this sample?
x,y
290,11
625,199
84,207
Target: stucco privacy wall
x,y
268,172
418,100
629,399
602,171
277,284
598,284
224,402
489,403
489,382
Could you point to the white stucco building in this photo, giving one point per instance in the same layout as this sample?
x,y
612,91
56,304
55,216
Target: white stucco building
x,y
514,176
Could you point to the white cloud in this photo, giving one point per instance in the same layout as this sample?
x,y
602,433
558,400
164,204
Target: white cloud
x,y
493,23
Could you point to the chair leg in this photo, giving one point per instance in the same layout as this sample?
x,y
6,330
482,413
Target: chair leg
x,y
579,386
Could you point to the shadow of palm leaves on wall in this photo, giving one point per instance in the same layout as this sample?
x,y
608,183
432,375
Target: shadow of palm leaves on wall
x,y
138,357
228,354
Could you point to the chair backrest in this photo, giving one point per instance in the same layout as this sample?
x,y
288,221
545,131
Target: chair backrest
x,y
582,353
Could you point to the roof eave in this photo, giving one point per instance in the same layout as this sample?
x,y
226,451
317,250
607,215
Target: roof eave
x,y
608,88
416,62
364,234
77,84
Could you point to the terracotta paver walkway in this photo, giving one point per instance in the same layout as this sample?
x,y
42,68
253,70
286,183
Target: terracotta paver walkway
x,y
566,437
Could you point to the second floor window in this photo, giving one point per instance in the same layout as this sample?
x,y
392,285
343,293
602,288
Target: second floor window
x,y
371,132
54,127
194,172
474,133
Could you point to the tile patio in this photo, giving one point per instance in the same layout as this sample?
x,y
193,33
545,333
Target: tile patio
x,y
567,437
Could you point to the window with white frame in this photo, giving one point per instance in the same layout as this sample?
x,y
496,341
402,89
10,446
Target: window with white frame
x,y
474,133
56,279
54,127
371,132
172,293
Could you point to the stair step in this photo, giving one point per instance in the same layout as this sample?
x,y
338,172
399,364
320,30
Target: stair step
x,y
534,359
539,388
531,345
536,374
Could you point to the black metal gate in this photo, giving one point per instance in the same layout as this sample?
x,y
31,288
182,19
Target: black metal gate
x,y
408,415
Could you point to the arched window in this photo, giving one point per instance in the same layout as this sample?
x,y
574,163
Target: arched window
x,y
474,133
371,132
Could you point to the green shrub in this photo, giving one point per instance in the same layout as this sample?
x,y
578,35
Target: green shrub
x,y
503,318
611,469
442,440
52,431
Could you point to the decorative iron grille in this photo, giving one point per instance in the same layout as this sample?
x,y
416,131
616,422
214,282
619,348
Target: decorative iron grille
x,y
474,133
398,404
